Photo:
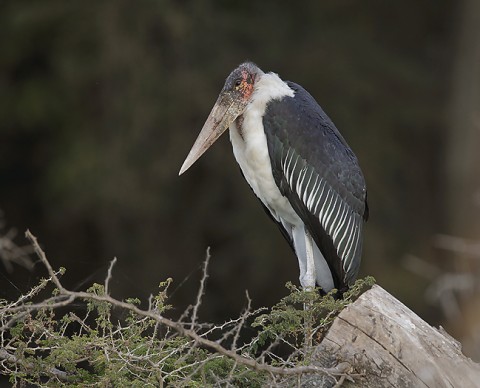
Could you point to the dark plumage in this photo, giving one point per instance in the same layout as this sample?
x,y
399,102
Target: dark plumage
x,y
298,125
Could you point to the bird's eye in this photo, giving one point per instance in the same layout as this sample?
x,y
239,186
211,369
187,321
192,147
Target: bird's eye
x,y
238,82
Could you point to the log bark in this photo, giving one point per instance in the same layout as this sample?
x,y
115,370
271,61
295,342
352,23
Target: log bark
x,y
392,347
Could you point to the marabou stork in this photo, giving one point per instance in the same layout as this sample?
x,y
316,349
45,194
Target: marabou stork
x,y
299,166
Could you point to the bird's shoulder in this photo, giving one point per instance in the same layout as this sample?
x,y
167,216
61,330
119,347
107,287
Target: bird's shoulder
x,y
299,125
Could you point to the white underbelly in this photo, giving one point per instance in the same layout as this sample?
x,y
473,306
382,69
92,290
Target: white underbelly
x,y
251,153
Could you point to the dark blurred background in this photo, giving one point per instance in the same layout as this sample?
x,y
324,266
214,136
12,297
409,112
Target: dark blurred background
x,y
101,101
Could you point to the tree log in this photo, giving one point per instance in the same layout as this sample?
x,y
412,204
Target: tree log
x,y
392,347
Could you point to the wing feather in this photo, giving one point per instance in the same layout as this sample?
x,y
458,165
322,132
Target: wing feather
x,y
316,170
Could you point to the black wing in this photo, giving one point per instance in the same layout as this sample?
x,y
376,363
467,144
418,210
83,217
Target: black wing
x,y
319,174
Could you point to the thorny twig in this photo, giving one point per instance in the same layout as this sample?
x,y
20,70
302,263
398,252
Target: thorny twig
x,y
41,255
201,290
109,274
65,297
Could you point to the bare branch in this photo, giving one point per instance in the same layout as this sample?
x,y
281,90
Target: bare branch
x,y
41,254
109,274
458,245
240,324
201,290
10,252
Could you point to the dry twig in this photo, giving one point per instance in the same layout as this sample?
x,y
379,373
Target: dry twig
x,y
65,297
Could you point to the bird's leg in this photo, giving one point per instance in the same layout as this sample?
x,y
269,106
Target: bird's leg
x,y
304,249
309,278
298,234
309,285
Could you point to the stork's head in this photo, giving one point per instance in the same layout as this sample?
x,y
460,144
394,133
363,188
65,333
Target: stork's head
x,y
231,103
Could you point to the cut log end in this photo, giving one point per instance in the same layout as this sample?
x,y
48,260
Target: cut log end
x,y
391,346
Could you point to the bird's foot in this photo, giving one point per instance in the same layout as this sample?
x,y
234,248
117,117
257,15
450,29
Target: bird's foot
x,y
307,281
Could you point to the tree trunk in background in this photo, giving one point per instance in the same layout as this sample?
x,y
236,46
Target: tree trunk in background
x,y
463,172
463,140
393,347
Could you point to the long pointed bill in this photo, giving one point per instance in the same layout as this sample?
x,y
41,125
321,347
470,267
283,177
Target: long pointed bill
x,y
224,112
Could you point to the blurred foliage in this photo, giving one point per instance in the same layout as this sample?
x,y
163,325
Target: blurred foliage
x,y
101,101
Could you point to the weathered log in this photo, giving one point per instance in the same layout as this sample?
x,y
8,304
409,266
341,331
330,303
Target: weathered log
x,y
392,347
